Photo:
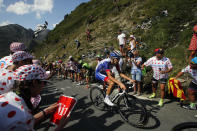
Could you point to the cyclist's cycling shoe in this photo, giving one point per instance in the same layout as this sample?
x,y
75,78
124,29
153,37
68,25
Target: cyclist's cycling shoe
x,y
108,102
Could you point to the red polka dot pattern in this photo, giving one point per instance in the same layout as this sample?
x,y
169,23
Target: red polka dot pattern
x,y
159,65
11,114
4,104
17,99
5,62
30,72
6,81
21,55
15,112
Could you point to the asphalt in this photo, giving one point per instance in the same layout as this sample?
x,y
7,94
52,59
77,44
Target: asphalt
x,y
85,117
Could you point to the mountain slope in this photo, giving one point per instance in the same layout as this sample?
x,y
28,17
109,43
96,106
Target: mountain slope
x,y
12,33
16,33
104,17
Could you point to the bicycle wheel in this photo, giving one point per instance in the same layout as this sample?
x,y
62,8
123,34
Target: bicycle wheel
x,y
97,98
132,110
187,126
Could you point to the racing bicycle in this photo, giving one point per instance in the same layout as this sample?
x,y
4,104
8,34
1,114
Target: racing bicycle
x,y
130,108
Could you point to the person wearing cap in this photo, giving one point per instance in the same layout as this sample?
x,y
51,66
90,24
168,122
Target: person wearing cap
x,y
132,42
132,46
161,66
122,41
14,47
193,44
192,89
20,58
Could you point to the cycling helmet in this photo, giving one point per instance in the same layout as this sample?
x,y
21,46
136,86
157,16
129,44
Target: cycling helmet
x,y
115,54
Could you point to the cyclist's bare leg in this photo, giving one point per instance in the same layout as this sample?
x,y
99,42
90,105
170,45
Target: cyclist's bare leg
x,y
111,84
162,87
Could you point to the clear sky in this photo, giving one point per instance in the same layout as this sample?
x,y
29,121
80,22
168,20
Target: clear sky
x,y
29,13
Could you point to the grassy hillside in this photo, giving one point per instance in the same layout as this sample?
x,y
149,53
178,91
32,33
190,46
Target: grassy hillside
x,y
172,32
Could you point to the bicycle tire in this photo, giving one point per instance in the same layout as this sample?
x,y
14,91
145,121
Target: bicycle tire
x,y
185,125
127,113
98,99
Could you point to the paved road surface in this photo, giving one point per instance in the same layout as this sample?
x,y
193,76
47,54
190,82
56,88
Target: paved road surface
x,y
86,118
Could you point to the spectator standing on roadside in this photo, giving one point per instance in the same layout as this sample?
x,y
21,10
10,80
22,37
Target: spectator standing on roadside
x,y
161,66
122,41
193,44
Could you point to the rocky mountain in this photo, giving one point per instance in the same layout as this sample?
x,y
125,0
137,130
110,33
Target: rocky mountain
x,y
13,32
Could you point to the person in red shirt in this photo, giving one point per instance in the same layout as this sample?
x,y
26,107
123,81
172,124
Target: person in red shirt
x,y
193,44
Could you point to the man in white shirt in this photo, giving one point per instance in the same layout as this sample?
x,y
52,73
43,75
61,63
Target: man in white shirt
x,y
122,41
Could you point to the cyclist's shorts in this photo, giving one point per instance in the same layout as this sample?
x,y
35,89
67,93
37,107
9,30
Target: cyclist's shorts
x,y
101,77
